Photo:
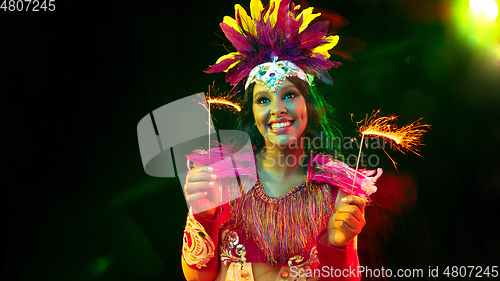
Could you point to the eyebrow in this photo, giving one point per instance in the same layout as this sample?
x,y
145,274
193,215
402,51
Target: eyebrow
x,y
289,87
261,93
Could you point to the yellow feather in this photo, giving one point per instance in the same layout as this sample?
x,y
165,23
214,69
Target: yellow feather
x,y
232,65
323,49
256,8
266,15
228,56
246,21
274,15
231,22
308,16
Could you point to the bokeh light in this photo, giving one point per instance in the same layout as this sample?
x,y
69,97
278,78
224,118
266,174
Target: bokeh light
x,y
99,265
476,21
488,8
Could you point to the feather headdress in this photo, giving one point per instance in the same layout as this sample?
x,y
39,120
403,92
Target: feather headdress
x,y
275,31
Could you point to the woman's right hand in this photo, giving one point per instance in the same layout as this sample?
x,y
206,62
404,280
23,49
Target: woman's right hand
x,y
202,192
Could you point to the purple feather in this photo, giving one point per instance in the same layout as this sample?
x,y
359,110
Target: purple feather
x,y
320,26
282,40
239,41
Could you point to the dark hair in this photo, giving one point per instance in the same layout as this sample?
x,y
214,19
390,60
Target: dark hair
x,y
320,126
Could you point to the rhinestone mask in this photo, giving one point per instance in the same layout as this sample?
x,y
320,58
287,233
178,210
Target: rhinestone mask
x,y
272,74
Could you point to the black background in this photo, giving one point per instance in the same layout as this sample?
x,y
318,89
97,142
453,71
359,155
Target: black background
x,y
75,82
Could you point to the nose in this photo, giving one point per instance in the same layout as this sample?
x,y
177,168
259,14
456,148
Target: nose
x,y
278,108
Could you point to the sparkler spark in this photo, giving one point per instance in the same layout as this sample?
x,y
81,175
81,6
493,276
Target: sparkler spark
x,y
223,102
407,138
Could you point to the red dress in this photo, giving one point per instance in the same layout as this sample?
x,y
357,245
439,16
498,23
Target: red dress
x,y
284,231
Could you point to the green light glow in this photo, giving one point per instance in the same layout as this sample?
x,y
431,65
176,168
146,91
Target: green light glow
x,y
476,21
99,265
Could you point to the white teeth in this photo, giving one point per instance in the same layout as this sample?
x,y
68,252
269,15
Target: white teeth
x,y
275,126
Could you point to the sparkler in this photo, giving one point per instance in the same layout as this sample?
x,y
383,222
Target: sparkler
x,y
406,138
220,103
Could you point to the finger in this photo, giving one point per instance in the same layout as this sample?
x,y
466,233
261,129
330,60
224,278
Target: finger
x,y
200,176
352,209
344,228
205,169
193,187
355,215
355,200
349,219
191,199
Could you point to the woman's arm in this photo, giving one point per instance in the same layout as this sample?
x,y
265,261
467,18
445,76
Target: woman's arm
x,y
200,259
197,275
337,263
336,245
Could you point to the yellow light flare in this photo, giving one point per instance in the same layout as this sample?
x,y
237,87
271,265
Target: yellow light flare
x,y
407,138
225,102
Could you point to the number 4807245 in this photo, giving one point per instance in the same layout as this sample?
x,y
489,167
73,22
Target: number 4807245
x,y
28,5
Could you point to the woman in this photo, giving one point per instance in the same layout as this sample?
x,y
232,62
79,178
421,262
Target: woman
x,y
293,224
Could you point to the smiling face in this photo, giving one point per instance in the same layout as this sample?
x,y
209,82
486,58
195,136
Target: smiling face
x,y
281,116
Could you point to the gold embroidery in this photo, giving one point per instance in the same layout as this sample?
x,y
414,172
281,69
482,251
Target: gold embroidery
x,y
230,249
201,249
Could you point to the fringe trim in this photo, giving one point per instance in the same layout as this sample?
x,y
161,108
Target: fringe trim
x,y
285,226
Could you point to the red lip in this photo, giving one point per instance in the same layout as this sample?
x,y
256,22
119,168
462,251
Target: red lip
x,y
281,130
279,120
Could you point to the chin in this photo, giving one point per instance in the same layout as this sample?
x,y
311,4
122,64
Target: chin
x,y
281,141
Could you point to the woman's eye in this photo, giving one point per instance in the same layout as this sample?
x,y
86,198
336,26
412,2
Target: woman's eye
x,y
289,96
263,100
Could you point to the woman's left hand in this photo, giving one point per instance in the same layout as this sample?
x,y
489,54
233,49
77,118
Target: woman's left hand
x,y
344,225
